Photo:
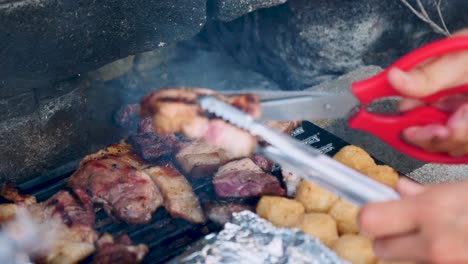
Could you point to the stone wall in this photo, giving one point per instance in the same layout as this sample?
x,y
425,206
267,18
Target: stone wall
x,y
56,107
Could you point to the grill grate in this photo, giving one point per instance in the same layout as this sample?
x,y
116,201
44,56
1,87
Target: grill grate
x,y
167,237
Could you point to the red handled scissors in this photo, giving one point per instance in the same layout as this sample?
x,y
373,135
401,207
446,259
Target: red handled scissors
x,y
306,105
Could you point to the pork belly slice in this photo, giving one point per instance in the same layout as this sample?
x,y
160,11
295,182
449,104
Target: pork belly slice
x,y
243,178
125,193
118,251
200,159
179,198
176,110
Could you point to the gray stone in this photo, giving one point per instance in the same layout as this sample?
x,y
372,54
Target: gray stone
x,y
18,105
440,173
303,43
57,39
113,70
55,133
228,10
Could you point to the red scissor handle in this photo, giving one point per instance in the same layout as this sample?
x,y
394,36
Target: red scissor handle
x,y
389,128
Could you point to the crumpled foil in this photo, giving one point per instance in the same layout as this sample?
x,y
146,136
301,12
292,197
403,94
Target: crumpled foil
x,y
250,239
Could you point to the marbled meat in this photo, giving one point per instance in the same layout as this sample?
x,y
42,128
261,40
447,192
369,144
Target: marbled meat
x,y
119,185
243,178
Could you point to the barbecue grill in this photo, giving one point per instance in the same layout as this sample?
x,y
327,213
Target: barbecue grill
x,y
68,67
166,236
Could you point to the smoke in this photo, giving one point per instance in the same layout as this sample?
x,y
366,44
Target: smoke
x,y
24,238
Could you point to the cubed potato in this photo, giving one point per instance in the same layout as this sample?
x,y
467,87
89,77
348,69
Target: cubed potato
x,y
354,157
314,198
280,211
356,249
383,174
321,226
345,215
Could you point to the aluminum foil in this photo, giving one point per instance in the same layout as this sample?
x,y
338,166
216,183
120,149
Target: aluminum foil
x,y
250,239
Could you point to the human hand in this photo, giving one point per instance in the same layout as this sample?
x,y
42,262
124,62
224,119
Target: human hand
x,y
435,75
429,224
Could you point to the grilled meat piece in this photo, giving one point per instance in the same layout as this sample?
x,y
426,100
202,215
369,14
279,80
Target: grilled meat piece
x,y
121,150
70,212
127,115
110,251
145,125
262,162
179,198
125,192
151,147
222,213
200,159
71,234
176,110
291,180
242,178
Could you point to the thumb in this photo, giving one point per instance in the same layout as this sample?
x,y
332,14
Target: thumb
x,y
440,73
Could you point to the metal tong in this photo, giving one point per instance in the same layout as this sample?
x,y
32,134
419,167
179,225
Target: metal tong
x,y
305,161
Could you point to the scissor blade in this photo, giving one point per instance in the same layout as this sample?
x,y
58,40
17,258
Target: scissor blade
x,y
329,106
266,95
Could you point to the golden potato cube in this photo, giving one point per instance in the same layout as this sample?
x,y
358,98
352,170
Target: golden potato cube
x,y
320,226
354,157
383,174
345,215
280,211
314,198
356,249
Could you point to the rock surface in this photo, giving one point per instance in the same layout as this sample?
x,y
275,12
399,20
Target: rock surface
x,y
53,39
303,43
228,10
51,135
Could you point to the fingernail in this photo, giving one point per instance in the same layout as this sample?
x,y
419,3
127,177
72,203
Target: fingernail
x,y
404,78
407,79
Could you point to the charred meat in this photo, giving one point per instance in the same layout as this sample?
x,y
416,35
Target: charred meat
x,y
118,251
176,110
125,192
243,178
151,147
179,198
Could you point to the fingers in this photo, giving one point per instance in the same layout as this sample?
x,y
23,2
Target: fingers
x,y
401,248
427,137
451,139
441,73
387,218
408,187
